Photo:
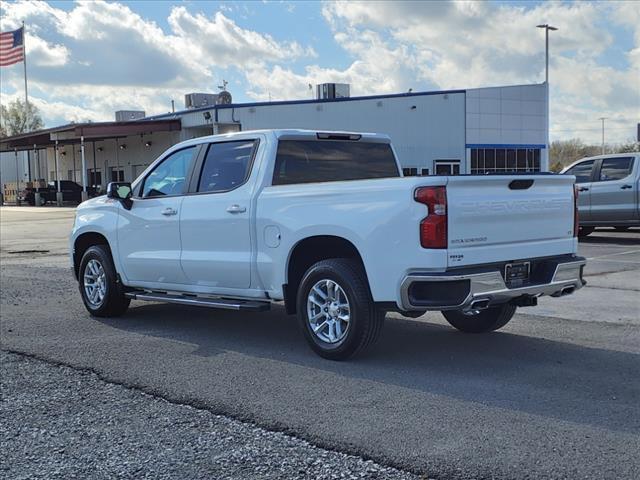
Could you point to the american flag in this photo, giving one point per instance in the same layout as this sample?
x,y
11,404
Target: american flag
x,y
11,47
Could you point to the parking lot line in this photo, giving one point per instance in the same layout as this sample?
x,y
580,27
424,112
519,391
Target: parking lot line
x,y
613,254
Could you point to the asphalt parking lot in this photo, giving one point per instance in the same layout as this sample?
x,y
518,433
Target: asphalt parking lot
x,y
555,394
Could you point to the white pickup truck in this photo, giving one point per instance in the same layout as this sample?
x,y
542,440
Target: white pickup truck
x,y
325,222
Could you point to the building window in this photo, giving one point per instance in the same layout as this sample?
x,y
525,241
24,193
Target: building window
x,y
117,175
447,167
491,160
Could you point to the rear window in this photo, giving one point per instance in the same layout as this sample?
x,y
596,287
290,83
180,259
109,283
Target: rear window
x,y
310,161
226,166
615,168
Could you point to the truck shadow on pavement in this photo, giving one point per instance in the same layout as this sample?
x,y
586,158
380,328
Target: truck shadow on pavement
x,y
517,372
594,239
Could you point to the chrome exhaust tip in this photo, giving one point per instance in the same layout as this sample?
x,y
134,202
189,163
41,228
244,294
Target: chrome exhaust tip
x,y
567,291
476,306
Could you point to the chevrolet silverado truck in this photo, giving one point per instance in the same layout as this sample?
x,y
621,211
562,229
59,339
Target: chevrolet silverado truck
x,y
609,191
326,223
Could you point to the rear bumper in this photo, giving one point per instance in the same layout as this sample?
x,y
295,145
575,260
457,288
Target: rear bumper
x,y
470,289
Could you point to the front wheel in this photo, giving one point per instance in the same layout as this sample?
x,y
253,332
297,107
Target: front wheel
x,y
102,293
585,231
483,321
336,313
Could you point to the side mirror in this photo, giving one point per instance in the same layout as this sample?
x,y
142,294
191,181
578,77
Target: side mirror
x,y
120,191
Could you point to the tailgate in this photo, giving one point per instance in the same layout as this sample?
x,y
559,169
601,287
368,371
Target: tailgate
x,y
497,218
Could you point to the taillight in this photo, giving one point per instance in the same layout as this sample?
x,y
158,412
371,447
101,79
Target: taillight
x,y
433,229
576,225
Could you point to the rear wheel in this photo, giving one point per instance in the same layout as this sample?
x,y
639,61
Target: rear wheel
x,y
335,311
486,320
585,231
102,293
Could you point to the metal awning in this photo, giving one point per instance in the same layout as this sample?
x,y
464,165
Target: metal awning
x,y
73,132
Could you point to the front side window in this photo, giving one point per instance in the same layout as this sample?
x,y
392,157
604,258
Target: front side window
x,y
615,168
226,166
582,171
170,176
310,161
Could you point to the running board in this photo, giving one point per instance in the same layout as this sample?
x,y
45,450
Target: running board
x,y
227,304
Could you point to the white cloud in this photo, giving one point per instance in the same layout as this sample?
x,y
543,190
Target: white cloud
x,y
223,42
98,57
471,44
113,56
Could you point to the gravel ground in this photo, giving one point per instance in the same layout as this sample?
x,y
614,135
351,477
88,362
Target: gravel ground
x,y
57,422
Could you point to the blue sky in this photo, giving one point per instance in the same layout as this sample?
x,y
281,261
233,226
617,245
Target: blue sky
x,y
87,60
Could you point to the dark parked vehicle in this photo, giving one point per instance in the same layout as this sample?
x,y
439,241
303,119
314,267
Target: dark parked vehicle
x,y
71,192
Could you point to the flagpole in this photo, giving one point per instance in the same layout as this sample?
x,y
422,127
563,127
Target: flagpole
x,y
26,95
24,55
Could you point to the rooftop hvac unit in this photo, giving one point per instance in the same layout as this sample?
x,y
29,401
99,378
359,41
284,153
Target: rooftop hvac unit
x,y
329,91
197,100
128,115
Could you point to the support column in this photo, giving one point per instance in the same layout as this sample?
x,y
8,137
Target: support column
x,y
36,158
85,194
59,192
17,191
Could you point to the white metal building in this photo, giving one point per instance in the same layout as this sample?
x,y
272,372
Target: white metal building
x,y
444,132
456,131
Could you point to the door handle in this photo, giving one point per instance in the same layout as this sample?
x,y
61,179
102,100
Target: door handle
x,y
169,211
624,187
583,189
236,209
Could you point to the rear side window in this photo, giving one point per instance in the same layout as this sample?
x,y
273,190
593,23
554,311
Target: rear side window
x,y
615,168
310,161
226,166
582,171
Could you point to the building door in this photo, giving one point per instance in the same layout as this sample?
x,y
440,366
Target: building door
x,y
94,177
447,167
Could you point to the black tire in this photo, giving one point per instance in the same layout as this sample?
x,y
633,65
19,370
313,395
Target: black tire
x,y
486,320
113,303
621,229
365,320
585,231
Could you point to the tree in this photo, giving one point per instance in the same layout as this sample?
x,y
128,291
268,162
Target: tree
x,y
564,152
630,147
16,118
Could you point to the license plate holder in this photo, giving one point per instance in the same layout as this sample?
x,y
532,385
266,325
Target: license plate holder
x,y
517,274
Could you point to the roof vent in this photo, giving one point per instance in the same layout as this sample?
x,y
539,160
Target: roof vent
x,y
128,115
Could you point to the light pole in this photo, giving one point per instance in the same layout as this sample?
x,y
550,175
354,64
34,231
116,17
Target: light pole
x,y
602,119
546,27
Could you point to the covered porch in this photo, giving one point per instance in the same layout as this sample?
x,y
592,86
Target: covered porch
x,y
90,154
